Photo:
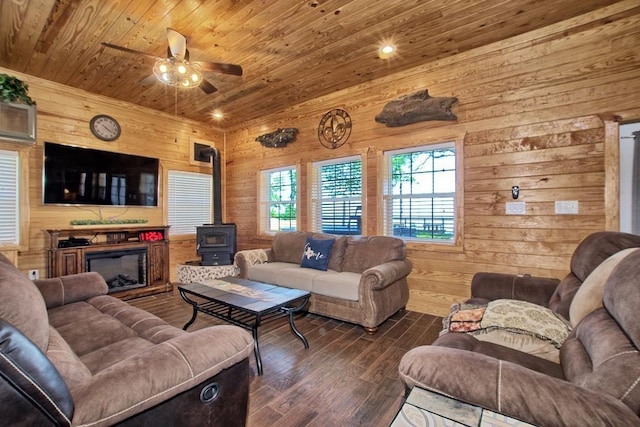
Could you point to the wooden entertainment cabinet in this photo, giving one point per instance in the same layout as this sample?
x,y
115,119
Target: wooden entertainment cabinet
x,y
65,260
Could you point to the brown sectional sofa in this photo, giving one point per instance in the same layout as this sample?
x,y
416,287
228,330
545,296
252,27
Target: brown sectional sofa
x,y
596,380
72,355
365,283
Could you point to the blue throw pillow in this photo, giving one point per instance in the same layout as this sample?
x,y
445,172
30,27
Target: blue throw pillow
x,y
316,253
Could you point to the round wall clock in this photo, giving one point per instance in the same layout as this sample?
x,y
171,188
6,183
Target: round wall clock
x,y
105,127
334,128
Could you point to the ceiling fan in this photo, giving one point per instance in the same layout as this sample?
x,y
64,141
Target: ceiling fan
x,y
176,69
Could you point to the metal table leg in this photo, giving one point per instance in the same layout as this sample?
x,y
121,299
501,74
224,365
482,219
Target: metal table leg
x,y
195,311
290,311
256,349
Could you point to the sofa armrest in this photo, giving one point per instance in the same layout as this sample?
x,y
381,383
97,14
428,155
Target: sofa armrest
x,y
245,259
506,388
172,367
63,290
493,286
381,276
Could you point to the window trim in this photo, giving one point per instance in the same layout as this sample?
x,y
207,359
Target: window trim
x,y
262,213
458,241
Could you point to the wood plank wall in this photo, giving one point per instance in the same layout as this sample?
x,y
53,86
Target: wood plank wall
x,y
531,110
63,116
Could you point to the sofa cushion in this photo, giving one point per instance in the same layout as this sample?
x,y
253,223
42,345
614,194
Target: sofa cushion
x,y
337,251
524,343
98,330
366,252
599,356
594,249
597,247
316,253
269,272
288,246
343,285
109,355
299,278
22,304
589,295
65,360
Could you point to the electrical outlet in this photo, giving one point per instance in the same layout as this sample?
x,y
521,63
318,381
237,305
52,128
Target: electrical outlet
x,y
516,208
33,274
566,207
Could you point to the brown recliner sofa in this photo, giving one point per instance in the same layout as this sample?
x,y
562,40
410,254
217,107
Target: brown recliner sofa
x,y
365,283
597,379
72,355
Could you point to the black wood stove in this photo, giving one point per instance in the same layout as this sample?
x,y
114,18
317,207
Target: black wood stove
x,y
216,243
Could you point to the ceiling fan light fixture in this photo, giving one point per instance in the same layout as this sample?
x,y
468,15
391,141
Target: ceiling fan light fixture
x,y
177,73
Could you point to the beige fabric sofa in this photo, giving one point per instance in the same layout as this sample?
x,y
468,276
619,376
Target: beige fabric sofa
x,y
72,355
365,283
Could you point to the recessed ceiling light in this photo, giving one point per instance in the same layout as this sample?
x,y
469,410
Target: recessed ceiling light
x,y
386,51
218,115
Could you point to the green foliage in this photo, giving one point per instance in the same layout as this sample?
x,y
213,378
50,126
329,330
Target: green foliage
x,y
108,221
14,90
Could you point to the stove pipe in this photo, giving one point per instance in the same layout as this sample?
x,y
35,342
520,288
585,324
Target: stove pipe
x,y
217,184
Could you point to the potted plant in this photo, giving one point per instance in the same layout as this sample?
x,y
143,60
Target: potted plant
x,y
13,89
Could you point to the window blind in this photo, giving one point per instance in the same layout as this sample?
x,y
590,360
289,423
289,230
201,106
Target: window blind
x,y
9,199
189,201
336,196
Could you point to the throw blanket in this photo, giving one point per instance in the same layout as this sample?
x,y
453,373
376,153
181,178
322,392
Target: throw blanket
x,y
519,317
255,256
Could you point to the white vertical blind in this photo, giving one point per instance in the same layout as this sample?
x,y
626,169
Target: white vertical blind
x,y
9,200
189,200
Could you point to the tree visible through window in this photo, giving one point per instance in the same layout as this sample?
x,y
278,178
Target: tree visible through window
x,y
420,193
279,200
337,196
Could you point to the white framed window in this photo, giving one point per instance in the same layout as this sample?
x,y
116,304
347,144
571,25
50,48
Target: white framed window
x,y
336,196
278,200
419,193
189,201
9,198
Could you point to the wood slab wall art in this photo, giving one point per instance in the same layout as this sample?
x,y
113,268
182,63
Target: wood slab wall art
x,y
416,107
278,138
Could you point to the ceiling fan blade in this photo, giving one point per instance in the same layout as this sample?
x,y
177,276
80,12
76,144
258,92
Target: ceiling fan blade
x,y
148,80
207,87
221,67
177,43
126,49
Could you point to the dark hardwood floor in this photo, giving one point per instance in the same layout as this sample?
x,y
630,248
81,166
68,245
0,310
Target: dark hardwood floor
x,y
345,378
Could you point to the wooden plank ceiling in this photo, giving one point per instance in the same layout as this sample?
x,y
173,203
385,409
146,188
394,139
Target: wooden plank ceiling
x,y
291,50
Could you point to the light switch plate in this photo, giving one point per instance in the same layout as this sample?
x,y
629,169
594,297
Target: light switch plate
x,y
516,208
567,207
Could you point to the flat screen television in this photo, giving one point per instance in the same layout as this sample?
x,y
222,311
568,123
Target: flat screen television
x,y
85,176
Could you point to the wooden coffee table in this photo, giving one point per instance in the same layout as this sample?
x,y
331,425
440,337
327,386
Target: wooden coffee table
x,y
245,303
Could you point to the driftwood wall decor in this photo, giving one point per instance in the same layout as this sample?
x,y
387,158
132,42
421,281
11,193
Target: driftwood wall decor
x,y
279,138
416,107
